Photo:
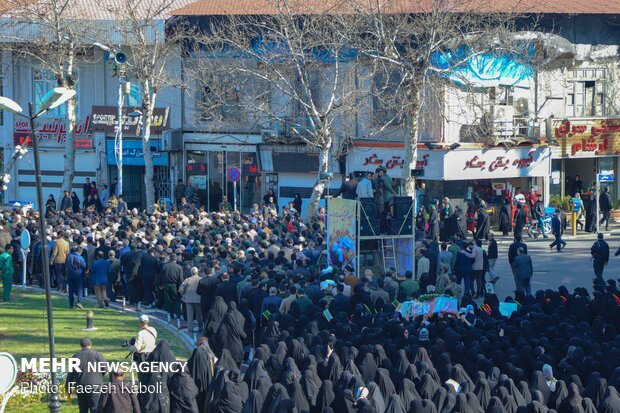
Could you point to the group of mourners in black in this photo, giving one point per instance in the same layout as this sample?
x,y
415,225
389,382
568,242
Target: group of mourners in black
x,y
559,352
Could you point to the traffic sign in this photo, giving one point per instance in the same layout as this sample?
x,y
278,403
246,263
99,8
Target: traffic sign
x,y
25,239
605,177
233,174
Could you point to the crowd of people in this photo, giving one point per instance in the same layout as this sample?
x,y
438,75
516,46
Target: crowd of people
x,y
280,332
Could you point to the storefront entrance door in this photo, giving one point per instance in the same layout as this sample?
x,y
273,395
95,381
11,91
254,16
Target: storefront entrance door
x,y
133,186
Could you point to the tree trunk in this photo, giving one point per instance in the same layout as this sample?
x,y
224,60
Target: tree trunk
x,y
319,186
411,144
69,174
149,171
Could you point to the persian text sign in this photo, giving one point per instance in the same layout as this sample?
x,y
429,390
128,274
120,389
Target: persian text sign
x,y
497,163
105,119
52,133
582,138
341,237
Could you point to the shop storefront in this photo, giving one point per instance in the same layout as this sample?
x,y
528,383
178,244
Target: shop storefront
x,y
293,169
585,147
52,134
104,119
133,170
463,175
224,165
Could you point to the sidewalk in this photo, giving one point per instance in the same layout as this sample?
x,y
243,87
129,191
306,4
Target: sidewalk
x,y
614,231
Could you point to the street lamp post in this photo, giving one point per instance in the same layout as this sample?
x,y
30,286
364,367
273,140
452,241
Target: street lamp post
x,y
52,99
120,59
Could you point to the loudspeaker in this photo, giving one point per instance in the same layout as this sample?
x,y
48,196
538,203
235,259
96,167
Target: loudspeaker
x,y
401,226
368,208
369,228
402,205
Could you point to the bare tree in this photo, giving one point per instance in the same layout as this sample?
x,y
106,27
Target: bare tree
x,y
428,44
51,34
152,48
302,69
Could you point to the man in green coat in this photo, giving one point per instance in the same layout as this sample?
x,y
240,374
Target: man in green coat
x,y
6,268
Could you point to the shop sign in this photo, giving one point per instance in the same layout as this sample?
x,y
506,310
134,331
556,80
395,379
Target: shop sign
x,y
198,181
52,133
133,153
587,137
196,169
393,160
250,169
497,163
105,118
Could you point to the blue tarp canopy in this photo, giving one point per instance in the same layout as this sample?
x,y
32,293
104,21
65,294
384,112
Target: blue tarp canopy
x,y
482,70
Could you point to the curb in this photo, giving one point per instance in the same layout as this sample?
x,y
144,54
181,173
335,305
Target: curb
x,y
186,339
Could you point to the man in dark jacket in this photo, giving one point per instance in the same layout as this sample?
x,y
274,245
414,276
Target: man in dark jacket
x,y
301,305
600,255
170,279
524,270
463,267
512,254
120,397
130,264
65,202
348,189
206,291
76,267
557,230
149,268
604,203
227,289
77,381
341,302
539,214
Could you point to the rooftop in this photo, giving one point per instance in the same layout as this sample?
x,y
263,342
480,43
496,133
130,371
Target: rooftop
x,y
269,7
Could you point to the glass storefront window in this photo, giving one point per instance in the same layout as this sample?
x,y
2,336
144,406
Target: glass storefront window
x,y
207,171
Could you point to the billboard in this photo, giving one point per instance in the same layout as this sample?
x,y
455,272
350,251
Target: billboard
x,y
341,232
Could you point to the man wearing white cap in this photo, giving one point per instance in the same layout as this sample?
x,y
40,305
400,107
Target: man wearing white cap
x,y
144,343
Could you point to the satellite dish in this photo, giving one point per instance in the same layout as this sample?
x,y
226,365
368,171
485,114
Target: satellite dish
x,y
25,239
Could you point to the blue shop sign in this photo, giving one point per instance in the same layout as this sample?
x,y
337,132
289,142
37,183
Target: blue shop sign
x,y
133,154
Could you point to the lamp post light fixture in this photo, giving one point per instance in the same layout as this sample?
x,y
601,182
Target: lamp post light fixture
x,y
51,100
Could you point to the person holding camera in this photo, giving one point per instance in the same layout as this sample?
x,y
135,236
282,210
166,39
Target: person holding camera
x,y
144,343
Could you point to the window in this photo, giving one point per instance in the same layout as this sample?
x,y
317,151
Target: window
x,y
221,99
313,82
585,94
44,81
585,98
385,101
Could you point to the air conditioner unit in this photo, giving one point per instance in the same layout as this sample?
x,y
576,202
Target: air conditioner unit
x,y
269,134
176,140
